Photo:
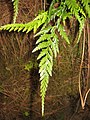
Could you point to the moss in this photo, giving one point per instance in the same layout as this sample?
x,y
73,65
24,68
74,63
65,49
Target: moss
x,y
31,64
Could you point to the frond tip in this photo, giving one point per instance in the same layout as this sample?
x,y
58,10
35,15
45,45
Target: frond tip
x,y
15,6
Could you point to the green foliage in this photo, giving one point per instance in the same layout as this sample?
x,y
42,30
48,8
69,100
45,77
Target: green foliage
x,y
86,5
48,38
76,9
15,5
48,44
33,25
30,65
26,114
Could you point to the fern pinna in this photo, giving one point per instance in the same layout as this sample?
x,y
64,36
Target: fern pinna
x,y
47,42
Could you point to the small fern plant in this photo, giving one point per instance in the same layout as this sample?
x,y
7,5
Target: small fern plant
x,y
48,39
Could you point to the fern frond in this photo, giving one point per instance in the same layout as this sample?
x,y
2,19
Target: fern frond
x,y
15,6
48,44
46,64
45,71
77,10
33,25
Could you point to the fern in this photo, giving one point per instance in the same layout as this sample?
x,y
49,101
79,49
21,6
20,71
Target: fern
x,y
47,42
78,12
15,5
86,5
33,25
